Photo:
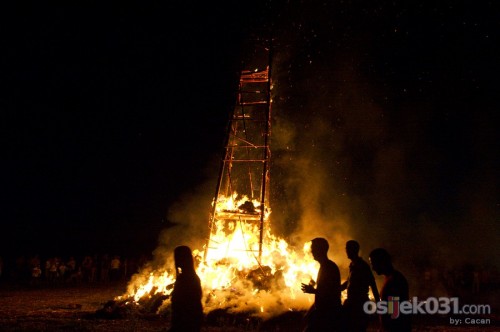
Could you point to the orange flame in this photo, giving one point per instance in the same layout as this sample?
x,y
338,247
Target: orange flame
x,y
232,275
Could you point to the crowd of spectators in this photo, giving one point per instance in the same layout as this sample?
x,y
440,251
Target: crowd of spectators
x,y
55,271
35,271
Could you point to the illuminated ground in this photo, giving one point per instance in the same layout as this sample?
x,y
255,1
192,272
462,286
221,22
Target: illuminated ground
x,y
73,309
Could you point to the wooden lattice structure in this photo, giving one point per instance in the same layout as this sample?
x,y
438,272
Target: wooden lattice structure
x,y
244,169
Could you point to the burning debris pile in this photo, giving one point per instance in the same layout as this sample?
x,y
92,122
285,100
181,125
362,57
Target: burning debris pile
x,y
238,286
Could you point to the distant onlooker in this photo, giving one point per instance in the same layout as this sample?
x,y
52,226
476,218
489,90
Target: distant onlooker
x,y
105,265
75,278
53,270
93,269
71,265
87,269
62,271
114,272
36,274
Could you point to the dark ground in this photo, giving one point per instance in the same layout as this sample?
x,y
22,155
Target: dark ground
x,y
74,309
65,309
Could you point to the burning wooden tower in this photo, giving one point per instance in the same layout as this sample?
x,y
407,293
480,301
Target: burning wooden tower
x,y
245,267
241,201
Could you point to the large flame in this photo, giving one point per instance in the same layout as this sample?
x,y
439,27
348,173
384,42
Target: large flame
x,y
233,275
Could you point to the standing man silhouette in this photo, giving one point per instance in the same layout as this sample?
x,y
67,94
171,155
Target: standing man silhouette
x,y
358,283
187,310
324,315
395,288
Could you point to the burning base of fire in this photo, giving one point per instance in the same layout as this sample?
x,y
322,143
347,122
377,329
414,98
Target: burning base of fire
x,y
250,297
153,307
260,290
237,274
243,279
222,319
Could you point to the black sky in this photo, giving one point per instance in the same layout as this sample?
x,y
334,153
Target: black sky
x,y
109,113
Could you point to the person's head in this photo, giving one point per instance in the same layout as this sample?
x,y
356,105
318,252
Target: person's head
x,y
352,249
183,259
319,248
381,261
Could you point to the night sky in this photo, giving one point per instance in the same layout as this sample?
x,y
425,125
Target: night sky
x,y
111,113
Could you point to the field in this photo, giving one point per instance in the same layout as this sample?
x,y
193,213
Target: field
x,y
74,309
66,309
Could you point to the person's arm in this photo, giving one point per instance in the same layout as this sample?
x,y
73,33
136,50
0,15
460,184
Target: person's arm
x,y
374,288
373,284
308,289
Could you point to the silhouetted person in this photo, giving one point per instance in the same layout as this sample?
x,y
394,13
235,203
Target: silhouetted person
x,y
87,268
114,268
105,266
324,315
395,285
358,283
187,311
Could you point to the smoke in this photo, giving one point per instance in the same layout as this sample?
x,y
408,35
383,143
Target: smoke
x,y
324,131
189,216
355,157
